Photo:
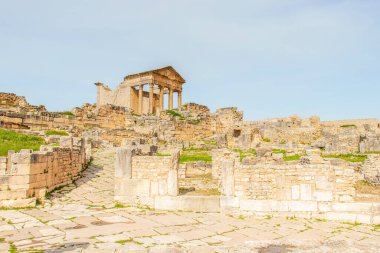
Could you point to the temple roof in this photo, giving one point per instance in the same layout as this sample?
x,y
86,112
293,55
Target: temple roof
x,y
166,71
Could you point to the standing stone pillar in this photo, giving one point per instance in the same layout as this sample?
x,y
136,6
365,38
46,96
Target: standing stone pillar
x,y
140,99
161,98
179,99
170,99
173,175
228,180
123,163
151,102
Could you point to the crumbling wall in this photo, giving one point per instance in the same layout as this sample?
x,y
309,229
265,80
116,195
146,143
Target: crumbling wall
x,y
12,102
310,187
371,169
30,173
139,179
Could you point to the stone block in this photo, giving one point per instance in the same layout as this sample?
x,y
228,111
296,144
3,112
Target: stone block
x,y
295,192
324,207
188,203
323,196
132,187
353,207
21,158
349,217
229,202
306,192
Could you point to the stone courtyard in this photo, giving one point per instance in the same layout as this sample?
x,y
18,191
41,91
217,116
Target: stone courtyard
x,y
83,217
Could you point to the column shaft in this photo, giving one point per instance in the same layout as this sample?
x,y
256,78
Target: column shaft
x,y
170,99
151,102
179,99
140,99
161,98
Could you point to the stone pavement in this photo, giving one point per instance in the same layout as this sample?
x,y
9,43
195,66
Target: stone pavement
x,y
82,217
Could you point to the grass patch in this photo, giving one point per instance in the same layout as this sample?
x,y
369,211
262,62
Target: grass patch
x,y
56,132
279,151
268,217
245,153
345,126
10,140
160,154
12,248
67,113
295,157
119,205
372,153
267,140
195,156
354,224
122,242
349,157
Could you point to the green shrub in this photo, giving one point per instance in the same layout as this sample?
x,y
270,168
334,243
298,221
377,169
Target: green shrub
x,y
174,114
266,140
10,140
56,132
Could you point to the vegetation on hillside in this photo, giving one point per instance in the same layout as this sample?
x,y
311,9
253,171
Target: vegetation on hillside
x,y
10,140
56,132
354,158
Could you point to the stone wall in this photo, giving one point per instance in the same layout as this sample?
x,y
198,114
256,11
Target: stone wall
x,y
140,178
310,187
371,169
28,173
12,102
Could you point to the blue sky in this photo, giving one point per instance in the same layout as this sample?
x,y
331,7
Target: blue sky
x,y
269,58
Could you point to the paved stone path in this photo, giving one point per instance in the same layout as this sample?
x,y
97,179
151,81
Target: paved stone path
x,y
83,217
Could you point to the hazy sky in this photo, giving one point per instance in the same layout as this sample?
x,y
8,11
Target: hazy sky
x,y
268,58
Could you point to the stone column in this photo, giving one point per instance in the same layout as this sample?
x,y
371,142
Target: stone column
x,y
161,98
140,99
228,180
170,99
173,175
179,99
151,102
123,163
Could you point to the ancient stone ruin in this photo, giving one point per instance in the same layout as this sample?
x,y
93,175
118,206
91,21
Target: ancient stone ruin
x,y
191,159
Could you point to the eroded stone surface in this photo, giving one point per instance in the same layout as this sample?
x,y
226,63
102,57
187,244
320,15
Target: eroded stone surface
x,y
82,217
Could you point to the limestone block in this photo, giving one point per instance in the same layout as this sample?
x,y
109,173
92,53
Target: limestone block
x,y
188,203
228,180
324,206
18,203
154,188
306,192
376,220
303,206
229,202
323,196
163,187
295,192
352,207
123,163
132,187
21,158
349,217
66,142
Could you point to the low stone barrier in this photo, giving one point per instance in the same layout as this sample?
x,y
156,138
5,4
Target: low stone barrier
x,y
28,175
